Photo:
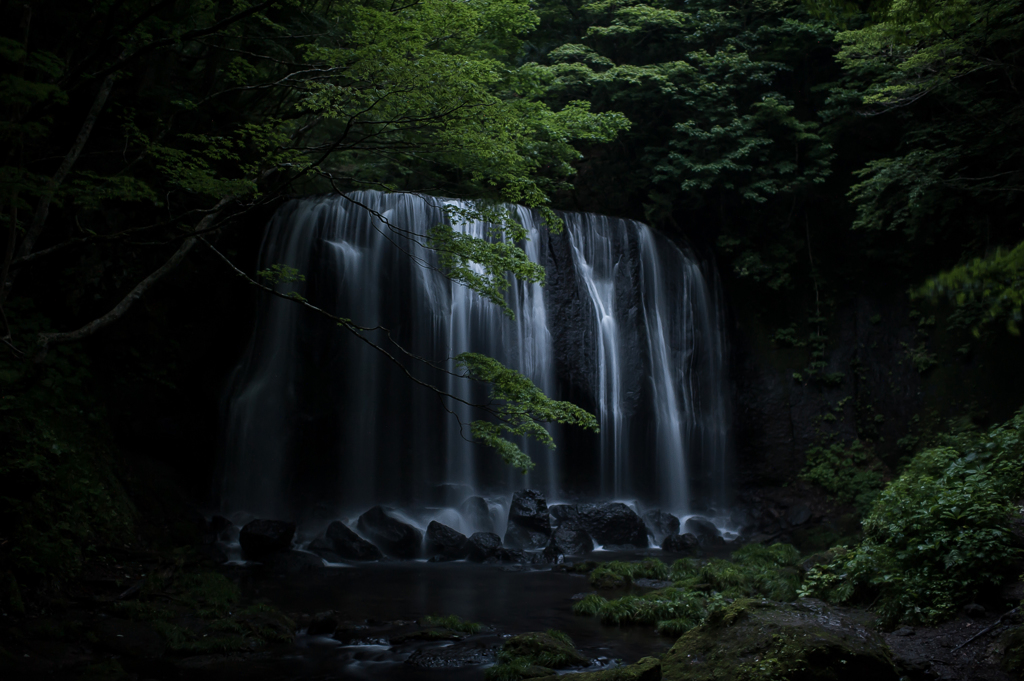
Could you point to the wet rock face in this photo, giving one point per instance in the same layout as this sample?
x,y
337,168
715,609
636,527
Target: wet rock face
x,y
529,509
529,526
341,543
445,542
476,511
807,640
482,545
612,524
391,535
661,524
462,654
262,538
563,512
645,669
543,648
702,528
518,537
568,540
686,544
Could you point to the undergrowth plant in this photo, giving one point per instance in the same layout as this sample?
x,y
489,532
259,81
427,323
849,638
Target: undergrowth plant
x,y
699,587
850,473
938,535
202,612
451,622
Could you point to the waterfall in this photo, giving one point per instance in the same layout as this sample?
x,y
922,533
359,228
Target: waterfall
x,y
627,325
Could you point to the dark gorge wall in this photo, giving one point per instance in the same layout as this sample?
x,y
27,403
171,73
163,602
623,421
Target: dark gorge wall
x,y
896,374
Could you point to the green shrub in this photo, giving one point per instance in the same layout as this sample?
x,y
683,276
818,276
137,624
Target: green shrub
x,y
939,534
851,474
589,605
670,610
724,576
616,573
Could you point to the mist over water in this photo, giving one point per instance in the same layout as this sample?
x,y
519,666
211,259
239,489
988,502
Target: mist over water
x,y
628,326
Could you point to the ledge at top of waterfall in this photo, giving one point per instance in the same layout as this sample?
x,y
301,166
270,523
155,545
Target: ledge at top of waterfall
x,y
627,326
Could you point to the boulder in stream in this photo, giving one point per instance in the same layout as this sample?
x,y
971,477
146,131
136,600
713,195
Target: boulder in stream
x,y
568,539
392,536
340,542
612,524
681,543
482,545
262,538
702,528
444,542
661,524
529,526
760,639
477,513
561,513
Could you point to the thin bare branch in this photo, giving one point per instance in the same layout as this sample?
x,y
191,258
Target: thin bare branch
x,y
118,311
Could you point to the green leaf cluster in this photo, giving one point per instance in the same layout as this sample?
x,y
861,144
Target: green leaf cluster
x,y
848,472
995,283
520,410
939,534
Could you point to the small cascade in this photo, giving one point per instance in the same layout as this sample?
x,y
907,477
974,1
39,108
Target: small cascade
x,y
317,420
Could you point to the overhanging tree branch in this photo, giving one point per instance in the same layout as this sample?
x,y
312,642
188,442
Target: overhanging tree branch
x,y
118,311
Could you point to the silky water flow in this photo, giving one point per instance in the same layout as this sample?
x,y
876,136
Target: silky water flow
x,y
628,326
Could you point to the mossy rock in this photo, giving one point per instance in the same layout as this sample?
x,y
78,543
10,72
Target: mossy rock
x,y
543,649
647,669
1012,645
761,640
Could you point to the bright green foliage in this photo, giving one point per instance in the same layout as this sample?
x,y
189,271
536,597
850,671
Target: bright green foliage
x,y
850,473
938,534
996,282
949,68
461,255
712,89
697,80
520,409
452,622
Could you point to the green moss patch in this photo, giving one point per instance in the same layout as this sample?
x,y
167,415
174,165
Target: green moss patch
x,y
535,655
760,640
699,587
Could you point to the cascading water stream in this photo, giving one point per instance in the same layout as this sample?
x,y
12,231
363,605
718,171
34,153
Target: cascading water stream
x,y
628,326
